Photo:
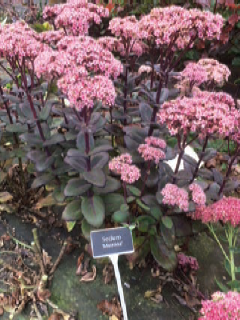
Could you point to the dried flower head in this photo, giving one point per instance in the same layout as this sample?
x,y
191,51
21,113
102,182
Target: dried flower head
x,y
187,263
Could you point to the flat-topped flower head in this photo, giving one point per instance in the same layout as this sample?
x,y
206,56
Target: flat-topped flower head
x,y
223,306
179,26
53,64
205,71
226,210
20,42
151,149
122,165
87,90
126,28
194,74
88,53
205,113
75,16
156,142
175,196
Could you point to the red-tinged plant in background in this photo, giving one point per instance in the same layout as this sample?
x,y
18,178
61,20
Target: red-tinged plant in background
x,y
187,263
223,306
227,212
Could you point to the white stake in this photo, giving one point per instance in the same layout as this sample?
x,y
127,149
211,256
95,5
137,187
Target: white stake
x,y
114,259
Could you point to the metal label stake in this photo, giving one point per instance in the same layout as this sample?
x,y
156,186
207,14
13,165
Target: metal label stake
x,y
111,243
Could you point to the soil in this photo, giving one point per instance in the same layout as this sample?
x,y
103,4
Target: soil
x,y
71,295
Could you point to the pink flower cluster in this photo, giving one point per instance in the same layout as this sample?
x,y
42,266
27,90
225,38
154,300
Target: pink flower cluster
x,y
198,195
75,16
126,28
226,210
84,92
53,64
150,150
178,25
194,74
187,263
205,113
205,70
73,65
216,72
223,306
122,165
88,53
156,142
174,196
18,42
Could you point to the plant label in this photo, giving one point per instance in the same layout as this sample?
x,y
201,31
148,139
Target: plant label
x,y
113,241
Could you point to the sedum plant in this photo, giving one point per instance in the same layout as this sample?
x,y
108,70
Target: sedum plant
x,y
227,212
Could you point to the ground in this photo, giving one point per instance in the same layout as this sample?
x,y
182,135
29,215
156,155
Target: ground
x,y
72,295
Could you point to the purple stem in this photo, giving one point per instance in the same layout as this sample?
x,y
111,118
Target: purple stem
x,y
145,178
87,142
200,159
181,148
229,170
14,134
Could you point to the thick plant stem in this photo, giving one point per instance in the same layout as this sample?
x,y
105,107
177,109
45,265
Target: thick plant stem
x,y
181,154
145,178
15,137
125,94
87,142
155,108
229,170
200,159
